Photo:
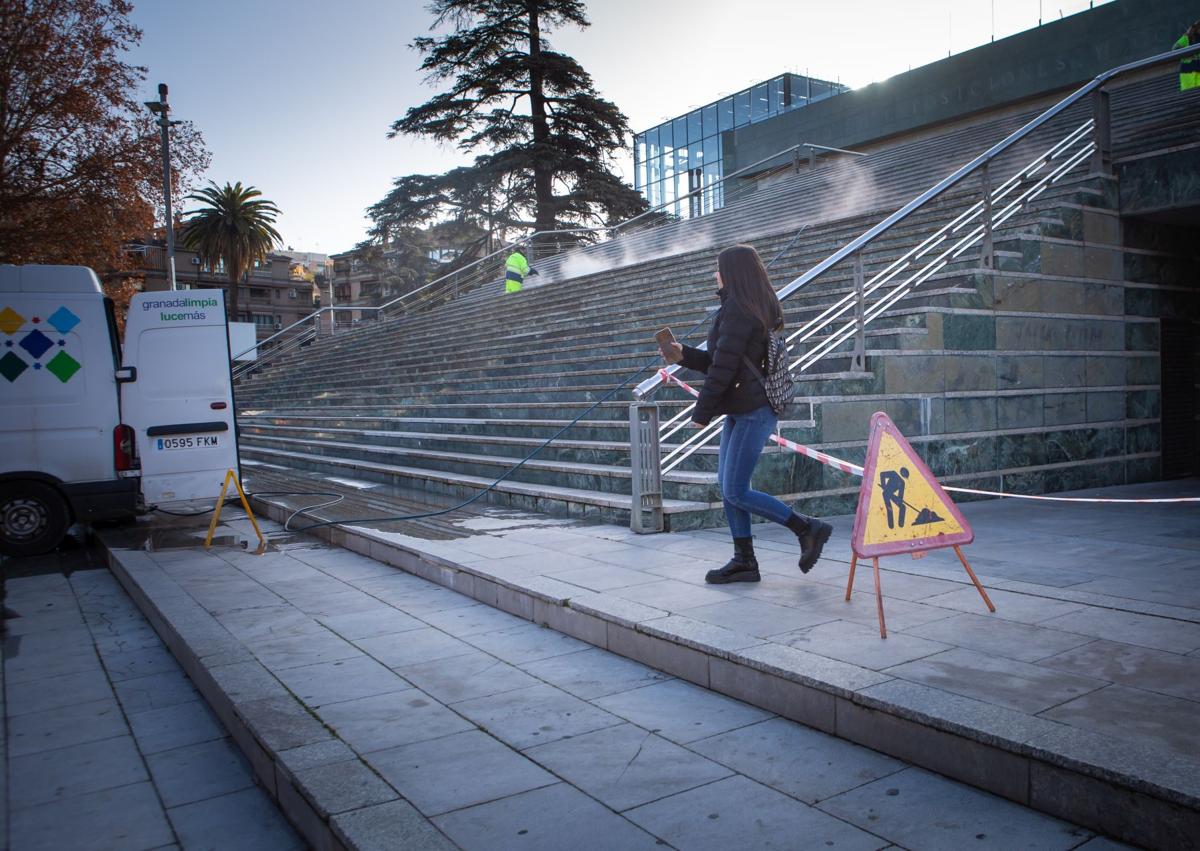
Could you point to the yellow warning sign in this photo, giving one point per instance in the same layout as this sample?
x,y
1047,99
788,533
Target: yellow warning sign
x,y
901,507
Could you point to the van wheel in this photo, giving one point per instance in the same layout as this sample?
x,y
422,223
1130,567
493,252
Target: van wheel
x,y
34,517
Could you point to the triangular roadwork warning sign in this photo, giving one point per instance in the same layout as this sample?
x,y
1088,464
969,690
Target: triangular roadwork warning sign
x,y
901,507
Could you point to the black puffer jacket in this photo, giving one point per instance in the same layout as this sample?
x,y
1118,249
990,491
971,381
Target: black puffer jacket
x,y
729,386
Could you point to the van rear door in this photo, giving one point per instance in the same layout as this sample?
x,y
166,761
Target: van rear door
x,y
180,399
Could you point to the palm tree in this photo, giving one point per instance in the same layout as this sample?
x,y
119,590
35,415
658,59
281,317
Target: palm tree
x,y
237,226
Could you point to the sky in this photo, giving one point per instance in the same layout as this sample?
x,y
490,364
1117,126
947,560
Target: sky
x,y
296,96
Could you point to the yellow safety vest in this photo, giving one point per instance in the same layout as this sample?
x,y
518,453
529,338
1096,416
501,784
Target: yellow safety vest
x,y
1189,69
516,267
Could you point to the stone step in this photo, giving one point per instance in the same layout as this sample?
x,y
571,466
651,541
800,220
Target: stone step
x,y
577,338
565,449
547,499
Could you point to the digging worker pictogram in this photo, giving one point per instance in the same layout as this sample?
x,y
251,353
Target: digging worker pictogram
x,y
892,484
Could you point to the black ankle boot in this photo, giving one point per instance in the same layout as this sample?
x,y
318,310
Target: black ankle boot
x,y
743,567
812,534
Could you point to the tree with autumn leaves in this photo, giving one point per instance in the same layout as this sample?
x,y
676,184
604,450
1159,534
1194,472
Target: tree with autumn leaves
x,y
80,166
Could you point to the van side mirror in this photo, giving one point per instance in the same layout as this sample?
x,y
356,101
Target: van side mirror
x,y
126,374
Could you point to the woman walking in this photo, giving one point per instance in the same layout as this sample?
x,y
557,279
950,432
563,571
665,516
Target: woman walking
x,y
734,365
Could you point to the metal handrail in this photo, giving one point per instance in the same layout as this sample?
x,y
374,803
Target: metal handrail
x,y
247,367
610,229
647,387
832,313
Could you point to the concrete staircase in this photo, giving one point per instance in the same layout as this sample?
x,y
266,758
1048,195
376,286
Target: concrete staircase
x,y
446,401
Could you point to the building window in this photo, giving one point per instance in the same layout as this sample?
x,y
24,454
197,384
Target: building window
x,y
741,109
685,154
725,114
760,103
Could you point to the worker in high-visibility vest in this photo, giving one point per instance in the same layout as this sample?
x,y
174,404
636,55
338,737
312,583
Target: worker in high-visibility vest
x,y
516,269
1189,69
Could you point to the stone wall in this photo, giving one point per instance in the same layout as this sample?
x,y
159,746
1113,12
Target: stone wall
x,y
1041,376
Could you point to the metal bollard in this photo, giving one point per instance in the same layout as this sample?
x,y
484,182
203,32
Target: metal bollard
x,y
646,469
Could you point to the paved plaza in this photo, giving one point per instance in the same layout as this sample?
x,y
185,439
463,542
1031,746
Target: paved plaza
x,y
107,745
503,733
381,704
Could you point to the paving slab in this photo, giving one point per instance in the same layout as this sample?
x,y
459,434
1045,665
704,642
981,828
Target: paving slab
x,y
987,633
75,770
525,717
239,821
757,617
48,654
859,644
346,679
1022,608
918,809
413,647
196,772
799,761
463,621
544,819
458,771
175,726
1129,665
390,720
380,620
128,817
65,726
1004,682
594,673
526,643
680,711
625,766
739,813
456,678
40,695
1129,713
1132,628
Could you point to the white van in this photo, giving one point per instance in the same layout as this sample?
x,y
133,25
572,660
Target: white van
x,y
88,435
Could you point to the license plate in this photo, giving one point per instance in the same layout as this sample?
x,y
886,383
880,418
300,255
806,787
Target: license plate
x,y
199,441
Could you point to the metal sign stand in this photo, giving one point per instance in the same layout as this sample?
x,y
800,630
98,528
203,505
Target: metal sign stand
x,y
900,510
231,476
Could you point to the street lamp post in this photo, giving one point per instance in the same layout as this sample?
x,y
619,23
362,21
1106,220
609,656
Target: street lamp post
x,y
162,110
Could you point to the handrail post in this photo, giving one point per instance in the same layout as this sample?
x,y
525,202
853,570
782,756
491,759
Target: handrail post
x,y
858,363
812,159
645,468
1102,155
988,253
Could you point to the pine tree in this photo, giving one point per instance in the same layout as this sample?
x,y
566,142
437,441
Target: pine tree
x,y
543,138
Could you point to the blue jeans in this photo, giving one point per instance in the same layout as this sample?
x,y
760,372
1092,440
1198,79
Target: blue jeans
x,y
742,439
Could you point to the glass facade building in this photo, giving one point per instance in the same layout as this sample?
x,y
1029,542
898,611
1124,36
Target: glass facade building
x,y
685,154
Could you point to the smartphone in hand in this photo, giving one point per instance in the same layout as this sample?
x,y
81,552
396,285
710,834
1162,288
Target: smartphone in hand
x,y
671,350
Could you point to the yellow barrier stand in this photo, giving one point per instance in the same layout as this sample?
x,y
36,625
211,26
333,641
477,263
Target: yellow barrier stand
x,y
231,476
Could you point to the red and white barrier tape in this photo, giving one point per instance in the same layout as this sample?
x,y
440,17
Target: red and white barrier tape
x,y
856,470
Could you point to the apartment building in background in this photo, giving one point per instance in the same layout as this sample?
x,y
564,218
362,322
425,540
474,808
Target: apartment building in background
x,y
272,296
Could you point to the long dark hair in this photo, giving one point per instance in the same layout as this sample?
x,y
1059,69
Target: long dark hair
x,y
746,281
